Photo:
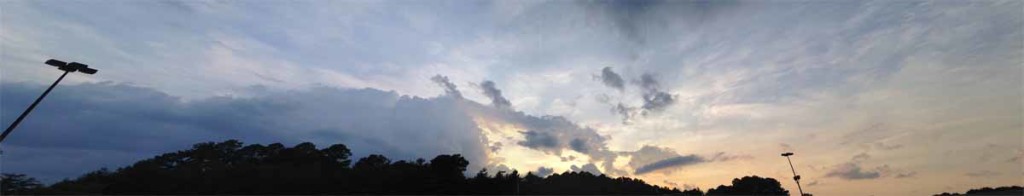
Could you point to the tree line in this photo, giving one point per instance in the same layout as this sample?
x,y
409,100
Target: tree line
x,y
230,168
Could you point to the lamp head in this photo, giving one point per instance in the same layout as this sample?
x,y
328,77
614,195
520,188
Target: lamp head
x,y
56,63
87,70
787,154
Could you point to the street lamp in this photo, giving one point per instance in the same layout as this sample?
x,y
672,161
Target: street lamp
x,y
795,177
67,68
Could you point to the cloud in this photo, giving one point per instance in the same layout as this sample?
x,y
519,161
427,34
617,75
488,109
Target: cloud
x,y
544,171
982,174
449,88
612,79
492,92
669,163
722,156
906,174
814,183
540,140
654,99
852,171
652,158
589,168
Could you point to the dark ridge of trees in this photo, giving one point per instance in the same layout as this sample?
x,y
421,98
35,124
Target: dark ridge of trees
x,y
18,184
1005,190
750,185
230,168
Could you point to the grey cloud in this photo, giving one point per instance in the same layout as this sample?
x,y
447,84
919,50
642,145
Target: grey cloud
x,y
589,168
539,140
655,100
722,156
612,79
982,174
495,94
814,183
652,158
649,154
906,174
852,171
450,89
861,157
544,171
579,146
627,112
669,163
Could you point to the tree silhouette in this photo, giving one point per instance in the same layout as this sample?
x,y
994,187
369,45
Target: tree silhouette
x,y
750,185
230,167
18,184
1006,190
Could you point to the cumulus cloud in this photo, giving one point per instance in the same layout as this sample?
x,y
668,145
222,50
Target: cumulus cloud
x,y
495,94
449,88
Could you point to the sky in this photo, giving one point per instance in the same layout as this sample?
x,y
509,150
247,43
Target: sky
x,y
873,97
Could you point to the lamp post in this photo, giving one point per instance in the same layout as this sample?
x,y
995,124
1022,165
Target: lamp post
x,y
61,65
795,177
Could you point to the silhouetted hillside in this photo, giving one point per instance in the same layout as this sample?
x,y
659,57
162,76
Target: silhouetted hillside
x,y
231,168
1006,190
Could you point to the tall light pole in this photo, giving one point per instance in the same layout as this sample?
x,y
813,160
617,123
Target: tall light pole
x,y
795,177
67,68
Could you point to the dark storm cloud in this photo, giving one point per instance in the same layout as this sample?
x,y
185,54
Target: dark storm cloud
x,y
612,79
495,94
669,163
449,88
109,125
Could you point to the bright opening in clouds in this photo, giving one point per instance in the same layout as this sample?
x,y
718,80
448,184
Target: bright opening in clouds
x,y
874,97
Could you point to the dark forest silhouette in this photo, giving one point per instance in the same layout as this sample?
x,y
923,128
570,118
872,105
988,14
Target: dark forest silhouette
x,y
1006,190
230,168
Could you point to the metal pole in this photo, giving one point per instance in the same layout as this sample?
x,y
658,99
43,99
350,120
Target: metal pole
x,y
795,177
30,107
